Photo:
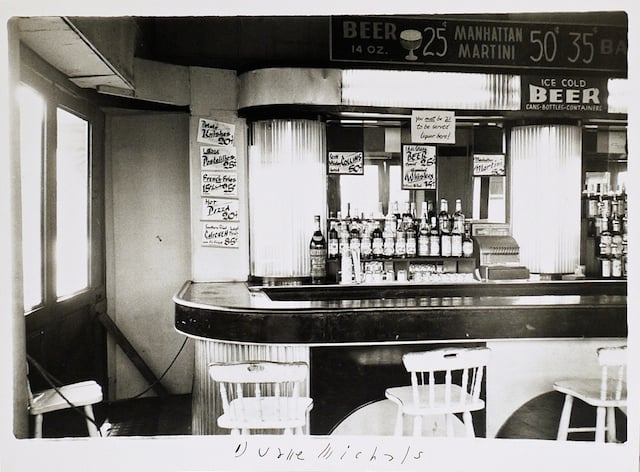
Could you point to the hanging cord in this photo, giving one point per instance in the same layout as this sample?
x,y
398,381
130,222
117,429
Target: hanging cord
x,y
51,380
175,358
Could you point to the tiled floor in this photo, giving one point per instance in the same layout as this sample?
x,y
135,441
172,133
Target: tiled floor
x,y
153,416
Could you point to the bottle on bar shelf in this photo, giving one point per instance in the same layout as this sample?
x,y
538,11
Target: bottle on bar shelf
x,y
400,249
333,246
434,237
318,254
366,249
467,241
377,241
444,224
457,230
423,234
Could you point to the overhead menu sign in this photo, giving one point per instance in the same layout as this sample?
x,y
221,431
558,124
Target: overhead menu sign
x,y
495,45
564,94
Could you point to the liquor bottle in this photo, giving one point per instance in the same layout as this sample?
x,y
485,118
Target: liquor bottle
x,y
444,223
616,233
354,238
389,240
377,241
467,242
431,213
366,248
318,254
400,249
592,208
434,238
605,267
457,230
395,211
343,242
616,266
412,243
423,237
605,240
333,248
407,220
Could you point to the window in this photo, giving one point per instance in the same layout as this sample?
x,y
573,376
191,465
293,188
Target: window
x,y
55,170
32,110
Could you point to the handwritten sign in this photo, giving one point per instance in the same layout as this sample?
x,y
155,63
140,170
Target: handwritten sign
x,y
418,167
219,184
216,132
433,126
218,158
220,209
351,162
488,164
220,234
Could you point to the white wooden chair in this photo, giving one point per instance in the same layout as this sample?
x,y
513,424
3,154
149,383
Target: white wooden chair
x,y
605,394
81,394
429,394
262,395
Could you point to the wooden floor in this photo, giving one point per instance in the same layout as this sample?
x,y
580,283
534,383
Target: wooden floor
x,y
537,419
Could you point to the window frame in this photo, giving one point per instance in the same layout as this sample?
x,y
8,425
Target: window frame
x,y
57,93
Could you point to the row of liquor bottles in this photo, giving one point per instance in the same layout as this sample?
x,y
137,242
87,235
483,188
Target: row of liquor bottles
x,y
400,235
606,212
396,235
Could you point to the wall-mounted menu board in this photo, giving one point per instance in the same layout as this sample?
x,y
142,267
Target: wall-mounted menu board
x,y
488,164
220,234
418,167
345,162
220,209
518,43
218,158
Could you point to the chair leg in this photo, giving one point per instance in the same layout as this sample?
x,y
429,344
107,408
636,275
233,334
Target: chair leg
x,y
91,425
611,425
468,423
417,425
448,422
38,426
399,423
600,423
563,429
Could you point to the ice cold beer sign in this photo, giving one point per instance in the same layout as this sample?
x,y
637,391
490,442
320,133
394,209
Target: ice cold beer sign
x,y
564,94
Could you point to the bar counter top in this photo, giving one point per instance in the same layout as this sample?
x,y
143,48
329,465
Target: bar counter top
x,y
399,313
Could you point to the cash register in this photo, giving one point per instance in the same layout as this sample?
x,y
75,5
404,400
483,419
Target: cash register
x,y
497,252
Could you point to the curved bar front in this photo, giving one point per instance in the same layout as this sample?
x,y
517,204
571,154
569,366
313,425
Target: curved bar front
x,y
232,321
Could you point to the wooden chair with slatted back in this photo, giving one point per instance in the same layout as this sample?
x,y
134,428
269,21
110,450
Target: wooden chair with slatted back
x,y
82,395
605,394
262,395
433,390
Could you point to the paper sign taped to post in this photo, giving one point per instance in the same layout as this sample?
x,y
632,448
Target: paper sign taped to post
x,y
433,126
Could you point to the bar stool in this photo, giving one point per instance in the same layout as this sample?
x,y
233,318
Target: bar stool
x,y
429,394
605,394
262,395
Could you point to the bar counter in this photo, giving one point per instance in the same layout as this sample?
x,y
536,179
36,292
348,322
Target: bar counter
x,y
322,314
528,325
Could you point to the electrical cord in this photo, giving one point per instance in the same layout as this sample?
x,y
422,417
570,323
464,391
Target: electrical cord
x,y
175,358
51,380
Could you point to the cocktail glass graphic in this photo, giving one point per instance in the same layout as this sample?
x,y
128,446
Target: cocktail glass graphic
x,y
410,40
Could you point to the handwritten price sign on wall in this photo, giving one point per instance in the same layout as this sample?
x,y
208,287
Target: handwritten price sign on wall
x,y
351,162
216,132
433,126
488,164
220,209
418,167
218,158
220,234
219,184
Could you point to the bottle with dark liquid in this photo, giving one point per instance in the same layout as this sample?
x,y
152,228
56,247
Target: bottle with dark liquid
x,y
333,250
457,230
444,223
318,254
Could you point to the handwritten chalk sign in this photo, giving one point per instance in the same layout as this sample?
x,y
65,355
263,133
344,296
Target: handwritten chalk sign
x,y
418,167
221,234
216,132
350,162
433,126
218,158
488,164
218,184
220,209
